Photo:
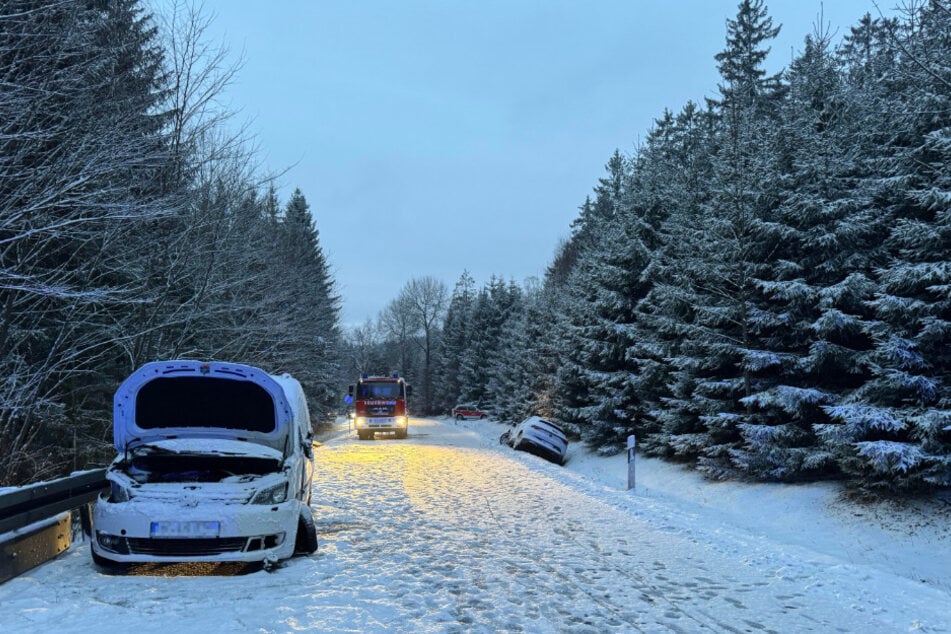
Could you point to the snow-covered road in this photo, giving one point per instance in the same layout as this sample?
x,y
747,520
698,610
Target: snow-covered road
x,y
450,532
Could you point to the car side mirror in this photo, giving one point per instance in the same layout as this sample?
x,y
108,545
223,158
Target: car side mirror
x,y
409,390
349,390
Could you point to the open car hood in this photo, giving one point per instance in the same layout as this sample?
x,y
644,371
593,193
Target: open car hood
x,y
169,400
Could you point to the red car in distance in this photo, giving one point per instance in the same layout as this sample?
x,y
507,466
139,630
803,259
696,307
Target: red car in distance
x,y
460,412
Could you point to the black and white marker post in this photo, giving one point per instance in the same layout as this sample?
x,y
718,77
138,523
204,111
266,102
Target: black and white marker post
x,y
630,461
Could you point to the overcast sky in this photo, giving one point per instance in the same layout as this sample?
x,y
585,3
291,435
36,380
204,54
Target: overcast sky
x,y
436,136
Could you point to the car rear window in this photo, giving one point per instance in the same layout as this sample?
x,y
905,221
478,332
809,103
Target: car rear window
x,y
204,402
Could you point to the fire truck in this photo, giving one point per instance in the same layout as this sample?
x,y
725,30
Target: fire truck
x,y
379,404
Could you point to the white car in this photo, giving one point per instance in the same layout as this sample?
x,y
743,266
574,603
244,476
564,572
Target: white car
x,y
540,436
215,464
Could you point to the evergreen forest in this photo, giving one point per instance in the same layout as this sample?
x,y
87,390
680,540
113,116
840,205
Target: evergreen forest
x,y
761,289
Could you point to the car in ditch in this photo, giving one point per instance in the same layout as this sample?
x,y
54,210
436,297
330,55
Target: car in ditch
x,y
468,411
215,463
539,436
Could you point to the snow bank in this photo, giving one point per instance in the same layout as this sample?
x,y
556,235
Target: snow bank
x,y
912,540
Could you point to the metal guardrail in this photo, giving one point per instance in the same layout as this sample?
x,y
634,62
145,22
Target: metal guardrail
x,y
40,501
33,505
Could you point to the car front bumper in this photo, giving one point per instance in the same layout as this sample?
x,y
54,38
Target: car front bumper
x,y
386,424
147,531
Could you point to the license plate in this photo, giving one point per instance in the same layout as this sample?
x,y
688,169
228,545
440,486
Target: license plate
x,y
382,422
184,529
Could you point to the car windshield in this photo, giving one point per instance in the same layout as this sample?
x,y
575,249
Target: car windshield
x,y
372,389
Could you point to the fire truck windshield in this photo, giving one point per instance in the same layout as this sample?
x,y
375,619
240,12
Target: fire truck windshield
x,y
372,389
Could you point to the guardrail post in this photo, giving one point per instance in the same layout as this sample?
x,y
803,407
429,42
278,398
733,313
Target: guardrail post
x,y
631,443
85,520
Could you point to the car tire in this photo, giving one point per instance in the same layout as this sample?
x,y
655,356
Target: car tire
x,y
306,541
458,416
482,417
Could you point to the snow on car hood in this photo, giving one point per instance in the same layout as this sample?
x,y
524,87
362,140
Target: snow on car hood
x,y
174,400
212,446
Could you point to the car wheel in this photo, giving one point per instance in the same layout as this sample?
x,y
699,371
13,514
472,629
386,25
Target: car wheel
x,y
306,541
482,417
458,416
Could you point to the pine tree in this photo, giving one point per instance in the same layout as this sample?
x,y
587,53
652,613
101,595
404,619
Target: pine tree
x,y
456,334
746,84
808,312
670,185
587,329
313,303
893,432
718,250
492,307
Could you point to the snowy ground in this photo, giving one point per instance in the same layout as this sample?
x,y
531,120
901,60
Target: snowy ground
x,y
450,532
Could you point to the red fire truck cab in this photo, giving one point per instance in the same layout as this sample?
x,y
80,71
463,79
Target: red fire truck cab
x,y
379,404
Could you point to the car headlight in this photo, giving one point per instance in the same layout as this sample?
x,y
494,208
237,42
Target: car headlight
x,y
271,495
118,493
360,421
401,421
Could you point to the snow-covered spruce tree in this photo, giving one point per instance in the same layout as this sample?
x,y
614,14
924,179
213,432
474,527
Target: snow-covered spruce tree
x,y
895,432
725,246
577,402
510,304
491,309
540,327
511,371
453,344
669,184
807,312
610,278
313,305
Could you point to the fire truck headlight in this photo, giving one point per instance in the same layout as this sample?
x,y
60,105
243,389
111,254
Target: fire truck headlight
x,y
360,421
401,421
